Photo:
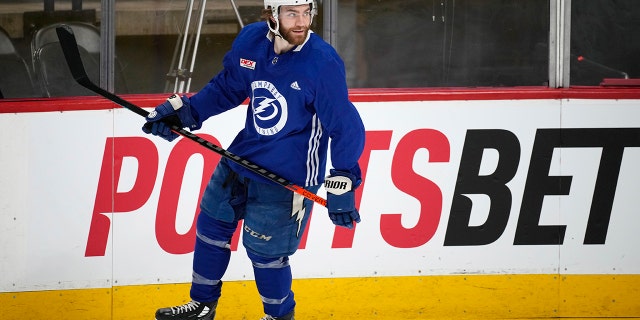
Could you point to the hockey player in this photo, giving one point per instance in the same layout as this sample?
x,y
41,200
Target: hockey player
x,y
298,104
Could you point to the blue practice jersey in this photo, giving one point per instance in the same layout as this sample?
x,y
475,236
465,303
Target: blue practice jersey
x,y
298,100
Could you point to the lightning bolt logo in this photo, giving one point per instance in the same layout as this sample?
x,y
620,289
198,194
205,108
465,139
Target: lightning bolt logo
x,y
262,107
298,211
269,107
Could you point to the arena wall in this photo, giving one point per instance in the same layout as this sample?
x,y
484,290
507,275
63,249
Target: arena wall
x,y
476,203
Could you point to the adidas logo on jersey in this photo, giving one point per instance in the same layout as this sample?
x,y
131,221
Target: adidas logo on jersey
x,y
295,85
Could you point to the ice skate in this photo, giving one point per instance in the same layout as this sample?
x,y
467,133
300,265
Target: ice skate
x,y
288,316
193,310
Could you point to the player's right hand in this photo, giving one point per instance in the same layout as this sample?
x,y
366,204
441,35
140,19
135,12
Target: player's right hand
x,y
176,111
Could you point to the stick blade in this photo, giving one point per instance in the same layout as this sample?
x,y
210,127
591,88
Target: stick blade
x,y
71,53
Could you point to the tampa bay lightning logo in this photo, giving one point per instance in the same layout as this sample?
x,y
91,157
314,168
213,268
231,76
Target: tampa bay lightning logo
x,y
269,108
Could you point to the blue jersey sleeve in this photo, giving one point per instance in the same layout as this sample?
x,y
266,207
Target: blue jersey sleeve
x,y
339,116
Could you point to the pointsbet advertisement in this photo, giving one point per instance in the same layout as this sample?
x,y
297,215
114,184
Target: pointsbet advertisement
x,y
532,186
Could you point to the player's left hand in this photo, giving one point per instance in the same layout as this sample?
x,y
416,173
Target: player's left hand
x,y
341,202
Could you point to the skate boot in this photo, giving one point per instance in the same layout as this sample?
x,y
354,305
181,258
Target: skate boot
x,y
192,310
288,316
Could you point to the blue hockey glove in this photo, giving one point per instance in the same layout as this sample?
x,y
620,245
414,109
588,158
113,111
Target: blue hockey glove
x,y
341,201
175,111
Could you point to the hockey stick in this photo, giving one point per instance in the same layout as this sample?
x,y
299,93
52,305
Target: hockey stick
x,y
72,55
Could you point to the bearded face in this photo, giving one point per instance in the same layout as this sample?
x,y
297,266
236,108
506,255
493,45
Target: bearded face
x,y
295,22
295,35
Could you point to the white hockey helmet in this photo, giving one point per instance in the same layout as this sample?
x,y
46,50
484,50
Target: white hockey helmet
x,y
274,5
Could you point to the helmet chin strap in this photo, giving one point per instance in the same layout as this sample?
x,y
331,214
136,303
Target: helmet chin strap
x,y
281,44
276,30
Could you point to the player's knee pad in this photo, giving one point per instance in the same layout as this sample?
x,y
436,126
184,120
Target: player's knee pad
x,y
273,275
257,259
213,231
